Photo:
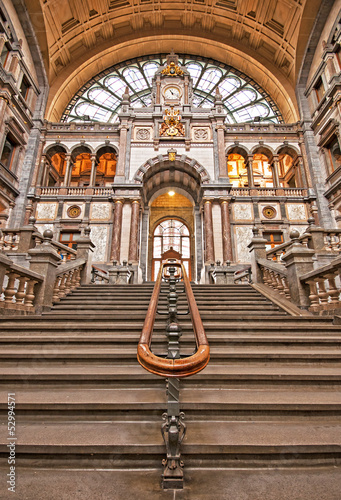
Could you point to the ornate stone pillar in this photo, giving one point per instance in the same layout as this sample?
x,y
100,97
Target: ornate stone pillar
x,y
66,180
133,254
250,171
208,228
226,230
275,176
116,231
92,182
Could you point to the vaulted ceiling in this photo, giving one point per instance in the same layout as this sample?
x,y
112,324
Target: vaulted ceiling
x,y
265,39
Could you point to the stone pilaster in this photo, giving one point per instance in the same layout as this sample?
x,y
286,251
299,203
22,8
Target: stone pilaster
x,y
116,231
226,230
208,228
134,232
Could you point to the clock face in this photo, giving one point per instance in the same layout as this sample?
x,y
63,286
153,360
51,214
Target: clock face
x,y
172,93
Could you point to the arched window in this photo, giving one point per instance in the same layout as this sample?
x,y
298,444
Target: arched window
x,y
171,234
100,99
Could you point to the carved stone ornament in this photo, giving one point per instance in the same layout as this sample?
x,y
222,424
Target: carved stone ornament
x,y
269,212
172,70
74,211
143,134
172,127
201,134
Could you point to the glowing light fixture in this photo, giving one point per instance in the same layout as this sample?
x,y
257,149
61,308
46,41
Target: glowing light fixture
x,y
171,193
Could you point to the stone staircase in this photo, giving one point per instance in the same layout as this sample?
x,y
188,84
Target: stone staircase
x,y
262,417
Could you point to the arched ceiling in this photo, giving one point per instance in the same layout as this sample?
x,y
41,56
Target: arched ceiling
x,y
263,38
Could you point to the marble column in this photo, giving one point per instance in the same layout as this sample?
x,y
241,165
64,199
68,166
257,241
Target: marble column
x,y
120,171
134,232
250,171
275,176
46,170
208,228
116,231
220,127
92,181
226,230
68,167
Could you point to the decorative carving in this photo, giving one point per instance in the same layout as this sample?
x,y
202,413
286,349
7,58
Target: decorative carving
x,y
143,134
74,211
171,154
172,126
201,134
172,70
269,212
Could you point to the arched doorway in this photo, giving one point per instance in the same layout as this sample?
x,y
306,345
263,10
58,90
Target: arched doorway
x,y
171,234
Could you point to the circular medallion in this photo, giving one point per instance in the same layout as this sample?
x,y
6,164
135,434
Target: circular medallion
x,y
269,212
74,211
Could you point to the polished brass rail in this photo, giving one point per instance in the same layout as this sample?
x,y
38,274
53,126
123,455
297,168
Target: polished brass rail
x,y
178,368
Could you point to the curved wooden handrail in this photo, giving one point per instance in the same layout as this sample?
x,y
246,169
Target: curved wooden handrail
x,y
178,368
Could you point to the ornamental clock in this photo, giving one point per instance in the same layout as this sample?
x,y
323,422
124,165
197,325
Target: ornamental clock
x,y
172,94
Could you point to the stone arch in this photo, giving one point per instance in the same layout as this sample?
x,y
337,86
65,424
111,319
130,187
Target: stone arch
x,y
180,161
264,150
54,148
288,149
79,149
239,150
108,146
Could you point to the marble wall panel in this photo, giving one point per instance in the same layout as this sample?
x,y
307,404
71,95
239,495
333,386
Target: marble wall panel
x,y
99,236
217,233
42,227
243,236
100,211
296,211
46,211
243,211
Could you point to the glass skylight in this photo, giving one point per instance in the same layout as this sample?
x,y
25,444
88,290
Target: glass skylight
x,y
100,99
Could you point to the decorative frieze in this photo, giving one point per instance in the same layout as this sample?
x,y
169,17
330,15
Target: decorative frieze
x,y
46,211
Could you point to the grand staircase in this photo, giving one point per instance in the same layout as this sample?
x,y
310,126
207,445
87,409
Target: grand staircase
x,y
263,418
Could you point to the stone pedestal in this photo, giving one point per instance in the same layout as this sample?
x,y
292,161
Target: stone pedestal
x,y
258,251
44,260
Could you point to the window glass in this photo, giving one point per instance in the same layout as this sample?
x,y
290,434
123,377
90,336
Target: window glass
x,y
243,100
7,152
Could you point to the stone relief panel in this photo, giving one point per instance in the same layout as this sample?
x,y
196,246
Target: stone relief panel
x,y
68,215
201,134
243,211
265,212
296,211
99,236
243,236
100,211
143,134
46,211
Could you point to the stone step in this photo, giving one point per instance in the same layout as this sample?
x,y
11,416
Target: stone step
x,y
138,400
214,373
125,352
56,483
131,442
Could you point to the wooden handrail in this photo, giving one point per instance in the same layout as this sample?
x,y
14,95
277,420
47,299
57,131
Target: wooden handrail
x,y
178,368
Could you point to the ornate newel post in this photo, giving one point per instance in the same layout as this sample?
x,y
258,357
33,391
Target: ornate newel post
x,y
258,251
116,231
208,228
44,260
226,230
84,251
133,254
298,261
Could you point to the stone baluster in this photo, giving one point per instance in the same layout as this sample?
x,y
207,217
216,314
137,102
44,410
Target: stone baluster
x,y
10,290
333,292
286,288
55,297
208,227
20,296
313,295
68,282
322,292
62,285
30,295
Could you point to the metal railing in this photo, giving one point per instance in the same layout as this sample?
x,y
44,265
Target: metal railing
x,y
173,366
